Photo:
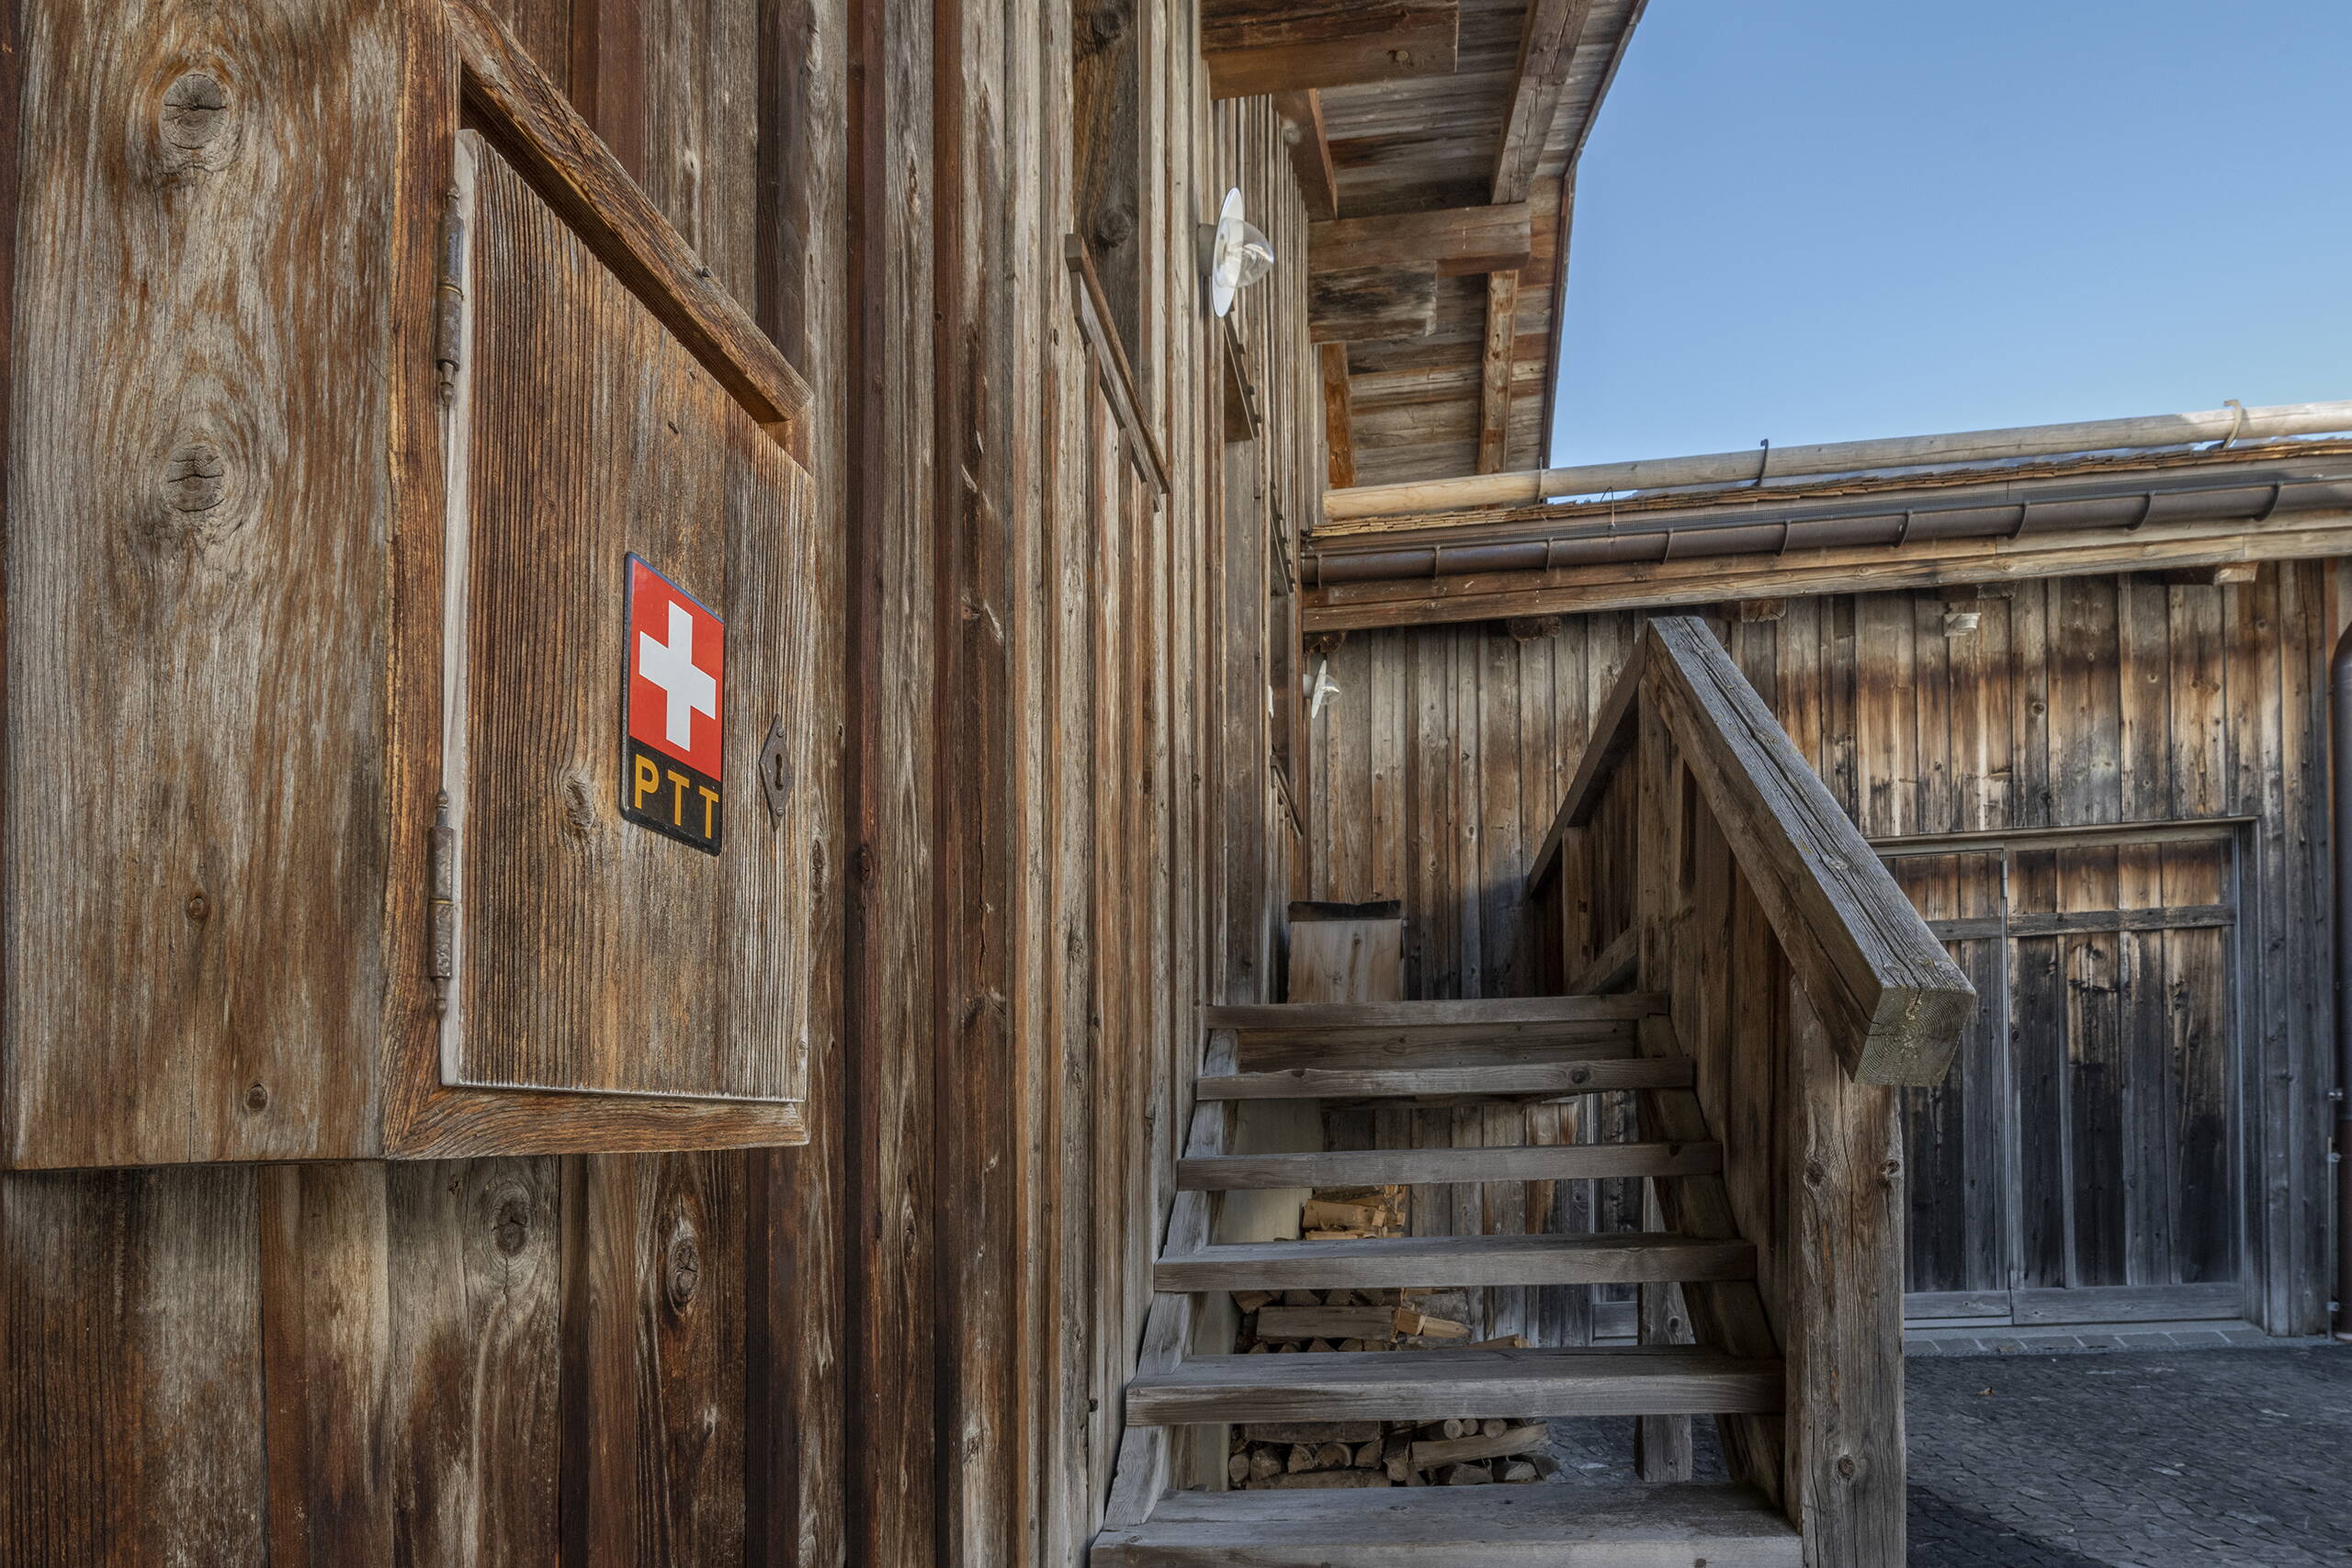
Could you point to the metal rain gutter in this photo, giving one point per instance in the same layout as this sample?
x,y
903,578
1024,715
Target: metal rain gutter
x,y
2009,511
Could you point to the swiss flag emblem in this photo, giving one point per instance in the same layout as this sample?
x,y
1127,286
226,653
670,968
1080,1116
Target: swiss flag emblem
x,y
675,694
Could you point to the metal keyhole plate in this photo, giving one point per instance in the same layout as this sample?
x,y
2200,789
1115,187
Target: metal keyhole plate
x,y
775,769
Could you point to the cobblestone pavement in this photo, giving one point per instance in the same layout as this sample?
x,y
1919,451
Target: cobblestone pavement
x,y
2237,1459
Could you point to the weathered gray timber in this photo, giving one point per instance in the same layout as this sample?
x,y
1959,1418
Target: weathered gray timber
x,y
1405,1385
1531,1527
1386,1263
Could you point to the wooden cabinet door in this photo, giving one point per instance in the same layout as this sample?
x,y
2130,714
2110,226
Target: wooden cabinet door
x,y
632,902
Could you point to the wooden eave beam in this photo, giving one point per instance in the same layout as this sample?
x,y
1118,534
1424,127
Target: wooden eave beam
x,y
1547,48
1338,414
1708,579
1457,241
1310,152
1375,304
1496,364
1276,46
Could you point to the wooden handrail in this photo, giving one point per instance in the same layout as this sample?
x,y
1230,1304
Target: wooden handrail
x,y
1891,999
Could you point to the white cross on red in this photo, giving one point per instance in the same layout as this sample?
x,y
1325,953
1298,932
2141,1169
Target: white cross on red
x,y
690,689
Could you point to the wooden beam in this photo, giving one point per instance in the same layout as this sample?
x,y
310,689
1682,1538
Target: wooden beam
x,y
1613,967
1372,304
1310,152
1338,414
1547,47
1495,369
579,177
1275,46
1700,581
1111,370
1459,240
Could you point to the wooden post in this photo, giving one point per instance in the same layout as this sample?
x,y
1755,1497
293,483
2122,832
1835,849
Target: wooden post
x,y
1661,1443
1842,1319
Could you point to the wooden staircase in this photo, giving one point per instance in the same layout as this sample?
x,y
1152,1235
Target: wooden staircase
x,y
1414,1052
1785,982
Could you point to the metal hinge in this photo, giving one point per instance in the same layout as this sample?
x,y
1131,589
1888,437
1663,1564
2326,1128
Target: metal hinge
x,y
442,912
449,298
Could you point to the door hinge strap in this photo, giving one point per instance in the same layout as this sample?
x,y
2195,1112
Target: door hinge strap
x,y
442,915
449,298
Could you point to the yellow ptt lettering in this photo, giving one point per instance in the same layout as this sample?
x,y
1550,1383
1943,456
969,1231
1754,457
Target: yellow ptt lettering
x,y
678,782
709,811
647,779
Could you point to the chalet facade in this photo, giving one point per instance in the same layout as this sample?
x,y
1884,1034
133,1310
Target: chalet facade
x,y
730,771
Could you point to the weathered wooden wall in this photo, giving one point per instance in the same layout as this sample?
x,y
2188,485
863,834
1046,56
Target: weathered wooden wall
x,y
2078,701
903,1343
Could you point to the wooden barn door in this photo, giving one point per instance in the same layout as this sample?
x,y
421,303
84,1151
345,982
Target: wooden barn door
x,y
2078,1166
2123,1057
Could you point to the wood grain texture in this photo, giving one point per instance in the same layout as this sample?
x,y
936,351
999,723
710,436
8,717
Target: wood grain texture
x,y
587,410
1372,1168
196,633
1253,46
1372,304
1423,1386
1383,1263
1546,1080
1727,1527
132,1390
1457,241
1339,413
576,172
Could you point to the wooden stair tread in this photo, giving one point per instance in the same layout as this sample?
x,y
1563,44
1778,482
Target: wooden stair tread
x,y
1542,1526
1387,1262
1302,1016
1429,1385
1550,1080
1380,1168
1522,1019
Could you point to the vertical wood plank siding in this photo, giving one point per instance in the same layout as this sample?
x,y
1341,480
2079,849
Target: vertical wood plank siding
x,y
905,1341
2078,701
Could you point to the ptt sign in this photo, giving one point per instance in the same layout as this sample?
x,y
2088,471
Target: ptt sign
x,y
672,698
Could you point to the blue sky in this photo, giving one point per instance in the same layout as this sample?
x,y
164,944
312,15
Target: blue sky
x,y
1825,220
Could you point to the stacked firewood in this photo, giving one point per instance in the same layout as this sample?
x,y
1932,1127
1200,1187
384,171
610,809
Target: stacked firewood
x,y
1345,1213
1326,1455
1322,1455
1343,1320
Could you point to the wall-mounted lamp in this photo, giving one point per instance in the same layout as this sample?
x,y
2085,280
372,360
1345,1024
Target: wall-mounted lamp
x,y
1235,254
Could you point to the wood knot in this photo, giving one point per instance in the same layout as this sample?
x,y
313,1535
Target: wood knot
x,y
1100,26
579,810
195,124
258,1098
511,1231
683,1270
1114,227
195,478
199,907
1846,1466
195,108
